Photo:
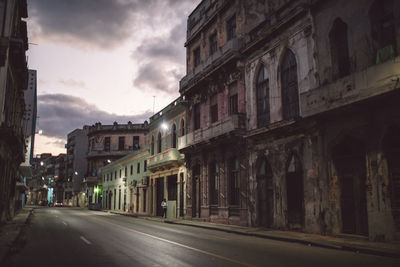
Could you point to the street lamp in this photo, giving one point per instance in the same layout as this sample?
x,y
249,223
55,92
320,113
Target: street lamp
x,y
108,161
164,126
76,173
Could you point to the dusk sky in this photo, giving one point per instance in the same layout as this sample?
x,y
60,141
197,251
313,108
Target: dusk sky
x,y
103,60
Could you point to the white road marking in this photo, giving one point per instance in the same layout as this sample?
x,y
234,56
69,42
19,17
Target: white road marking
x,y
85,240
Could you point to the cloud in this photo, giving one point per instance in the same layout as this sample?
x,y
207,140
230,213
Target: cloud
x,y
72,83
161,66
99,23
60,114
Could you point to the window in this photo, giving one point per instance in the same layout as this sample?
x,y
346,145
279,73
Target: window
x,y
233,99
262,94
231,28
214,108
182,127
383,30
145,165
115,175
144,199
213,43
234,182
174,136
138,167
214,183
121,143
107,143
196,116
196,56
172,187
339,49
152,145
126,171
131,169
290,94
120,173
136,143
159,143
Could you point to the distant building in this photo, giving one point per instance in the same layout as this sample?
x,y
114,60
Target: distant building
x,y
13,82
126,184
76,168
107,143
165,162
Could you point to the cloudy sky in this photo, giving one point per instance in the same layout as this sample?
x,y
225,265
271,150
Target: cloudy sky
x,y
103,60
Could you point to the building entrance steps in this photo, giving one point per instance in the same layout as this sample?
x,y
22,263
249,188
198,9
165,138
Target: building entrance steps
x,y
358,244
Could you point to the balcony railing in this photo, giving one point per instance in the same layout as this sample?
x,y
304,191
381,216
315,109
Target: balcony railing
x,y
168,156
219,128
361,85
113,151
232,45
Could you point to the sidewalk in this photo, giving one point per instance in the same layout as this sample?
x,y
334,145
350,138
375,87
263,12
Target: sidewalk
x,y
344,242
10,230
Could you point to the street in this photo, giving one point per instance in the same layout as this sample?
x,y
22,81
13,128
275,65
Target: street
x,y
75,237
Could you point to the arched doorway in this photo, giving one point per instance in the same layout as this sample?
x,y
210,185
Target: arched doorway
x,y
295,193
391,147
349,161
264,192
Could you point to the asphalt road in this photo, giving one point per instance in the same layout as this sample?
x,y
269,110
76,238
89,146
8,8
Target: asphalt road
x,y
75,237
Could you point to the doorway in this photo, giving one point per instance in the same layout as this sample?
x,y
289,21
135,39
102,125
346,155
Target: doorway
x,y
159,195
349,160
295,193
391,147
196,191
264,192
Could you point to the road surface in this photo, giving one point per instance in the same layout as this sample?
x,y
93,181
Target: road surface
x,y
76,237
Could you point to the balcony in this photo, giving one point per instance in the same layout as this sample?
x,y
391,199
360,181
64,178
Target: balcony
x,y
219,128
212,62
373,81
169,156
113,151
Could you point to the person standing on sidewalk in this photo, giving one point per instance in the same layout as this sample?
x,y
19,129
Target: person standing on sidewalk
x,y
164,208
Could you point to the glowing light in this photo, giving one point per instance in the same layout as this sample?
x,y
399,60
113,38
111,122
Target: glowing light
x,y
40,132
96,190
164,126
76,173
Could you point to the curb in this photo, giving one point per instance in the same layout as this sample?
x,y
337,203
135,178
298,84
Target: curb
x,y
299,241
354,249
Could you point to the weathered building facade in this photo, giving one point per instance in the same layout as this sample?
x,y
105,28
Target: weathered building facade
x,y
322,83
165,162
126,183
76,169
13,82
109,143
214,90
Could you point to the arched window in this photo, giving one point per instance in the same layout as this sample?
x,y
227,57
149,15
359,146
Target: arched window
x,y
383,30
152,145
173,136
339,49
290,94
182,127
159,143
262,87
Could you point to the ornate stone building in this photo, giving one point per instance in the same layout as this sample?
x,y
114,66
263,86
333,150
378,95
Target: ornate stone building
x,y
13,82
322,93
216,114
107,143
